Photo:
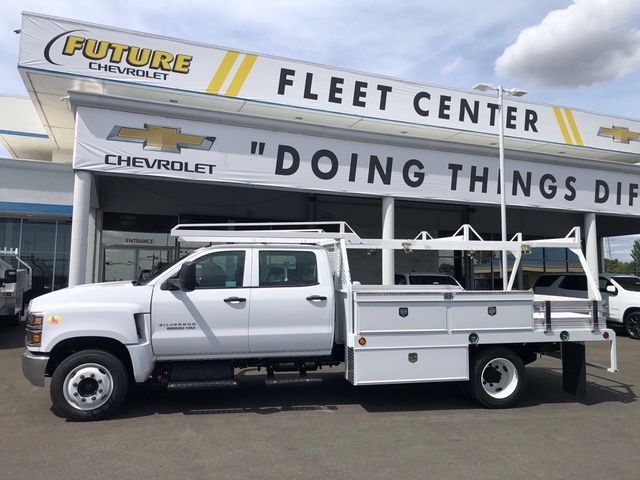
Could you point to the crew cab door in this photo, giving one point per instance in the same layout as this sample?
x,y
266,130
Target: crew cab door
x,y
213,319
292,303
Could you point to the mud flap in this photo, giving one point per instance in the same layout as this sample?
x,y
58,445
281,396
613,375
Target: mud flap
x,y
574,369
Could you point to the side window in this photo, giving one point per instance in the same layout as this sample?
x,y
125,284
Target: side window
x,y
574,282
220,270
287,268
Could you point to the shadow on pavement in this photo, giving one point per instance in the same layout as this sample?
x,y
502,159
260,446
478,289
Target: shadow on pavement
x,y
11,336
544,387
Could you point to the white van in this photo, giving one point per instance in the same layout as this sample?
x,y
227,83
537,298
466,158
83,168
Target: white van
x,y
621,292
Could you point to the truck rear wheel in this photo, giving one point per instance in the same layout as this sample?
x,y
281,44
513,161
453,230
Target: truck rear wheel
x,y
89,385
498,378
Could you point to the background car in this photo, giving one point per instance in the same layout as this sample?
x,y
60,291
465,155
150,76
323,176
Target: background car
x,y
428,279
620,292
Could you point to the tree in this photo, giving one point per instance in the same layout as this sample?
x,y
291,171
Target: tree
x,y
635,254
616,266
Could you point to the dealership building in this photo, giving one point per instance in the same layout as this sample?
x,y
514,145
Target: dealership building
x,y
124,135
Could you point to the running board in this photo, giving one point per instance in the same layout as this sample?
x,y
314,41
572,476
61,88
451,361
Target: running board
x,y
273,382
202,385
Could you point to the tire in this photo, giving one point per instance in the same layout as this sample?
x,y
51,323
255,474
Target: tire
x,y
632,324
498,378
89,385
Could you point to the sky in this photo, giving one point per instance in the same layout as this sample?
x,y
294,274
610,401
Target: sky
x,y
583,53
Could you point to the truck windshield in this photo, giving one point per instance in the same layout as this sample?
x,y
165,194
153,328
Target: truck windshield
x,y
629,283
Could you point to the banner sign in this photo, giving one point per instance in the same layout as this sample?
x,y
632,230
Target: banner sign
x,y
116,142
81,49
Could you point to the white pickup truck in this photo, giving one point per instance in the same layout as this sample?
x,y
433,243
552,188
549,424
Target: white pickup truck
x,y
284,300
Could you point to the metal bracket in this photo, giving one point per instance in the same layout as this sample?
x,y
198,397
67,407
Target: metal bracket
x,y
596,324
547,317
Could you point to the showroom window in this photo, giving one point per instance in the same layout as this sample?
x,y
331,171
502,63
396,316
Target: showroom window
x,y
44,245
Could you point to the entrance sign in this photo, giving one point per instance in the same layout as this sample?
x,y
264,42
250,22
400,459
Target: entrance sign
x,y
87,50
164,147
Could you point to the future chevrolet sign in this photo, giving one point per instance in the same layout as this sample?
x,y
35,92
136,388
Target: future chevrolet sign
x,y
87,50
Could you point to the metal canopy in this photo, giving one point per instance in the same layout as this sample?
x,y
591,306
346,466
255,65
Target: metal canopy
x,y
49,91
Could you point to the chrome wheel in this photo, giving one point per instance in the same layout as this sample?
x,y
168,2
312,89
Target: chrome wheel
x,y
633,325
88,386
499,378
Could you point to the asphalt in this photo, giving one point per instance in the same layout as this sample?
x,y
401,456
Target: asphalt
x,y
331,430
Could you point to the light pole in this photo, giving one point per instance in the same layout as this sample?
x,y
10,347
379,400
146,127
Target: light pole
x,y
514,92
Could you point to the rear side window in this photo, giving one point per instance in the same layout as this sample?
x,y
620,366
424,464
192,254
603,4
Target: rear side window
x,y
287,268
400,280
574,282
546,280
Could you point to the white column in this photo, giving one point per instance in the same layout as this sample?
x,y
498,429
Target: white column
x,y
503,193
91,245
591,244
388,233
80,227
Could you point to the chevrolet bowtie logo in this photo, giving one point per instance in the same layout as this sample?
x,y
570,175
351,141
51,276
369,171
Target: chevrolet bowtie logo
x,y
619,134
164,139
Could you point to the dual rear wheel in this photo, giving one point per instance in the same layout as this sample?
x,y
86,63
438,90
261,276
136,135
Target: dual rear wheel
x,y
497,378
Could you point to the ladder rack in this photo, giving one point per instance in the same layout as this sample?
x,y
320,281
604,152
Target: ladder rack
x,y
327,233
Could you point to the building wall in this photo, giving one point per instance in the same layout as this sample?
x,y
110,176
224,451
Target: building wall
x,y
34,182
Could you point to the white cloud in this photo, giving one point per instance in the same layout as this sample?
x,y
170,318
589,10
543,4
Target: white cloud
x,y
451,67
589,42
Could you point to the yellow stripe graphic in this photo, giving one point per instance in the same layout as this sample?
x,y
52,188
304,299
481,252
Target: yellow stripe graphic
x,y
574,127
241,75
223,70
563,127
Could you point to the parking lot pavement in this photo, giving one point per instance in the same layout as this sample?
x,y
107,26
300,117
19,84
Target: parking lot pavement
x,y
330,430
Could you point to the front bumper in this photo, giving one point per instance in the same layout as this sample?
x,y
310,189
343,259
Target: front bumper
x,y
33,367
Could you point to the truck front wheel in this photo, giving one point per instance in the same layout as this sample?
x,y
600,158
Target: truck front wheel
x,y
89,385
498,378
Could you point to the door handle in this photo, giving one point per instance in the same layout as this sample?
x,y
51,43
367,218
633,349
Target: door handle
x,y
234,300
316,298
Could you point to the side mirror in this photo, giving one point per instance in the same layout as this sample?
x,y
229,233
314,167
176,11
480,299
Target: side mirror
x,y
10,276
187,277
612,290
185,281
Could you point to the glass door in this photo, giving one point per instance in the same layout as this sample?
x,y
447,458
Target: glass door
x,y
121,263
149,260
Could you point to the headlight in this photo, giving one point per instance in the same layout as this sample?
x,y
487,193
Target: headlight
x,y
34,329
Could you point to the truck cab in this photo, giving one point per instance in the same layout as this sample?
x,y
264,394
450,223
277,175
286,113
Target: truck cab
x,y
247,301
